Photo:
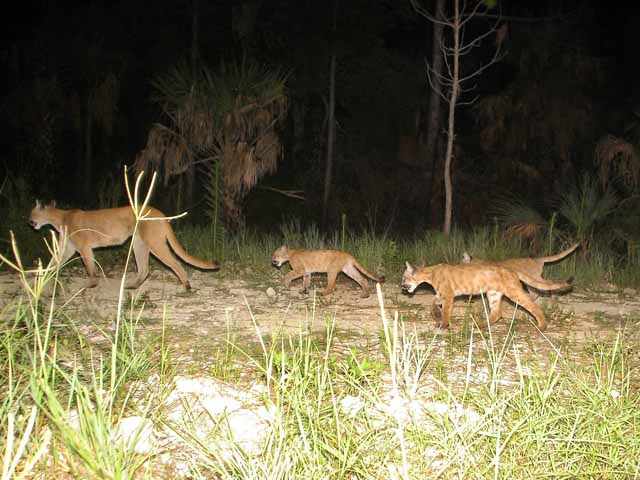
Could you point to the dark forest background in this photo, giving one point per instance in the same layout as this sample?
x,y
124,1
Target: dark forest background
x,y
91,87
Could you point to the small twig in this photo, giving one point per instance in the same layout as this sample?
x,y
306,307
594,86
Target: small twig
x,y
297,194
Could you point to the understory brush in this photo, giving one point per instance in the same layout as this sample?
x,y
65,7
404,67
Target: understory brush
x,y
410,405
598,262
381,412
65,400
384,414
599,266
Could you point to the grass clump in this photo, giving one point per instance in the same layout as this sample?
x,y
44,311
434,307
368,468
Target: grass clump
x,y
69,409
386,414
465,404
397,409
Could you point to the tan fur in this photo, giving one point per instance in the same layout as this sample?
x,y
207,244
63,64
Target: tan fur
x,y
494,281
532,266
89,229
305,262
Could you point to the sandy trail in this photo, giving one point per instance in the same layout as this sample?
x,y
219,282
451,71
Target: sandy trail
x,y
220,307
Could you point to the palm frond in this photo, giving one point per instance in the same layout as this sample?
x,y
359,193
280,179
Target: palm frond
x,y
229,116
519,219
585,206
616,157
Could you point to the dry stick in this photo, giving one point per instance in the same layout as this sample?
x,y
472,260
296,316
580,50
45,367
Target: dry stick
x,y
297,194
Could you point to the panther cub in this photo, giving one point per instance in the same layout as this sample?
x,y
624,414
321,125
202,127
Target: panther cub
x,y
305,262
532,266
494,281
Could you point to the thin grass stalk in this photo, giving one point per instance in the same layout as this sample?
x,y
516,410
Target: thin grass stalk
x,y
141,214
216,206
43,276
11,459
267,355
100,416
467,377
413,359
164,351
344,230
325,378
95,418
391,339
552,224
133,201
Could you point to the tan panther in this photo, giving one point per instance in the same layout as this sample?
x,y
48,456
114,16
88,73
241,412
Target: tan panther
x,y
305,262
89,229
532,266
494,281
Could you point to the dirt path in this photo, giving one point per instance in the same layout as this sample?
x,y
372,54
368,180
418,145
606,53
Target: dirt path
x,y
220,308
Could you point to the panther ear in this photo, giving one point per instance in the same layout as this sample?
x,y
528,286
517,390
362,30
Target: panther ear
x,y
409,267
38,205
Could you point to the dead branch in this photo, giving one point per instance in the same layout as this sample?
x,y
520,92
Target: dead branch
x,y
297,194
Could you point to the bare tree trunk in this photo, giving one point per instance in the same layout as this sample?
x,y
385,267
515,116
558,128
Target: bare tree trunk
x,y
433,120
87,167
451,77
194,37
328,172
453,98
231,197
189,176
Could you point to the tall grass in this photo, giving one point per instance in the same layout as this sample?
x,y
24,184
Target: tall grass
x,y
364,414
331,421
382,412
596,267
68,414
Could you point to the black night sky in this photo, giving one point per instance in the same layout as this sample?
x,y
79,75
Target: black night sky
x,y
567,78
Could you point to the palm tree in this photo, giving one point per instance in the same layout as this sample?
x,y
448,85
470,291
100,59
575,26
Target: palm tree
x,y
617,158
584,211
226,119
586,207
521,220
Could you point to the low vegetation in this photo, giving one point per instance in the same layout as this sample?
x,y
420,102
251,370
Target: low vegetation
x,y
108,408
